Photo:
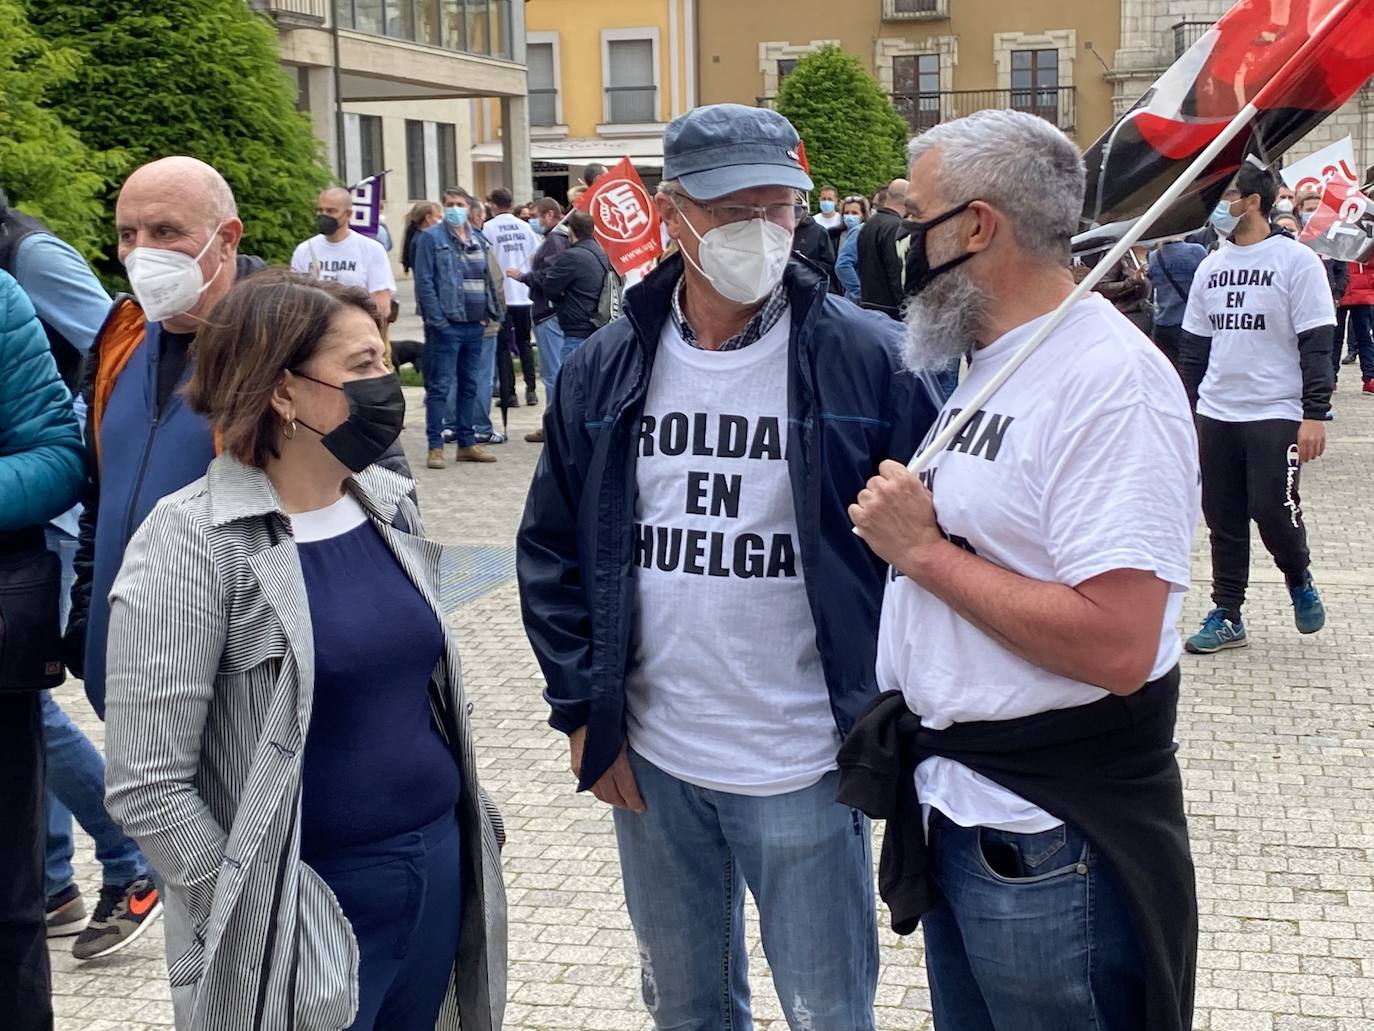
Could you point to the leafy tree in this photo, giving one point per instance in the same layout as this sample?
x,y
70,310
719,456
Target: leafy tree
x,y
45,168
854,137
196,77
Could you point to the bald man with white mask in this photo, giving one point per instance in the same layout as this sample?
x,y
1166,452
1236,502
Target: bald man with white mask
x,y
178,234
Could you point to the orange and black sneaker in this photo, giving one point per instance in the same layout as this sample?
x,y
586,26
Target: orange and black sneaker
x,y
121,915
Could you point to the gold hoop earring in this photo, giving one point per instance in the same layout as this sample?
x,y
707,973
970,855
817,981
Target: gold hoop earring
x,y
289,430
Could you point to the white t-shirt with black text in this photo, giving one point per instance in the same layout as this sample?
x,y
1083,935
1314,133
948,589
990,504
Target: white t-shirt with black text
x,y
1253,301
1084,462
515,244
725,689
356,260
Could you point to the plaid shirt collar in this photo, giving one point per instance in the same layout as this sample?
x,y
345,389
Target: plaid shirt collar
x,y
764,319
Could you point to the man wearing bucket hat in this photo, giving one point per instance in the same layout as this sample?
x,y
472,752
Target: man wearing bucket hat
x,y
704,617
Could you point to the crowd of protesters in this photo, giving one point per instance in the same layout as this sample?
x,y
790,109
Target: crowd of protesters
x,y
755,631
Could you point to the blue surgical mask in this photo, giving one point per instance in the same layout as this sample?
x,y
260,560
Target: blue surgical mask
x,y
456,216
1306,216
536,225
1222,220
827,207
852,221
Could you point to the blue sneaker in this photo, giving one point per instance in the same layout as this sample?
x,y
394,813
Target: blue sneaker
x,y
1217,634
1309,614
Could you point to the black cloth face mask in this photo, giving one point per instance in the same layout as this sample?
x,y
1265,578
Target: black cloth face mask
x,y
328,225
919,274
376,415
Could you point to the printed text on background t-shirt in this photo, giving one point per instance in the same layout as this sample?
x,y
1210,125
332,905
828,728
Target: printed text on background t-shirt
x,y
1253,302
356,260
515,244
1084,462
725,689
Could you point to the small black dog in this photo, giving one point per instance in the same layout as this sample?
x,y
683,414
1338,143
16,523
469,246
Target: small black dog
x,y
407,352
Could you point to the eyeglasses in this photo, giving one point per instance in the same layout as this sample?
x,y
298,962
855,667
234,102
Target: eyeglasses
x,y
781,213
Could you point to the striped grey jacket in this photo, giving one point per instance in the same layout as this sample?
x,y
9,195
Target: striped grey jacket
x,y
211,674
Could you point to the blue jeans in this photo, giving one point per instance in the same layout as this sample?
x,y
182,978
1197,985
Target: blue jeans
x,y
808,863
403,898
481,405
1032,933
76,778
570,344
453,353
549,336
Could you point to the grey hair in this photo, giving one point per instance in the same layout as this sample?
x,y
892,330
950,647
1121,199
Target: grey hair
x,y
1018,163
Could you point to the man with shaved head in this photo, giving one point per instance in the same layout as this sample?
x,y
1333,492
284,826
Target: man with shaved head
x,y
178,236
880,265
340,254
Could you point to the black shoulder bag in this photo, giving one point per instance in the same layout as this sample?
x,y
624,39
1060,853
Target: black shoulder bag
x,y
30,628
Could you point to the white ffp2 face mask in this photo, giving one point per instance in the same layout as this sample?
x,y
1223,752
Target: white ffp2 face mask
x,y
743,261
168,283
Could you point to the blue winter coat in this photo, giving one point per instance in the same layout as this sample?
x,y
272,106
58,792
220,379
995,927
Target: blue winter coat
x,y
851,406
42,460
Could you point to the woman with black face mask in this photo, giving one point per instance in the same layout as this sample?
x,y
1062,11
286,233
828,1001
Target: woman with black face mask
x,y
287,732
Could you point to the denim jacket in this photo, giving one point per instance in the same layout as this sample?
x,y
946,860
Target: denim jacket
x,y
439,292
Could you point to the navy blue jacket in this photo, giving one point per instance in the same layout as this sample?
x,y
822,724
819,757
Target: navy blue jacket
x,y
851,406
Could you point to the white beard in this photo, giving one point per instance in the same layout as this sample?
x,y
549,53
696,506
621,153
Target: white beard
x,y
943,321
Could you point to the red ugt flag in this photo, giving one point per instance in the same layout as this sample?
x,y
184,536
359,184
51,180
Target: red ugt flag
x,y
1296,60
625,216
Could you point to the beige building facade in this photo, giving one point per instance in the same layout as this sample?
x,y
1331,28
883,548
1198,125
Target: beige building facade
x,y
937,59
390,84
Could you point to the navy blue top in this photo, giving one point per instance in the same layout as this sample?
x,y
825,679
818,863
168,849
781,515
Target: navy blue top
x,y
375,764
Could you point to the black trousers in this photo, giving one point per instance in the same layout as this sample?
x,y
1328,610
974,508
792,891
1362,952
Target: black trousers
x,y
25,984
1250,471
516,328
1166,338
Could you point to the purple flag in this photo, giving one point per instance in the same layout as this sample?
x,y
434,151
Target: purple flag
x,y
367,206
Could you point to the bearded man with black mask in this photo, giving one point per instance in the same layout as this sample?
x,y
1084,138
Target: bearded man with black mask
x,y
1023,754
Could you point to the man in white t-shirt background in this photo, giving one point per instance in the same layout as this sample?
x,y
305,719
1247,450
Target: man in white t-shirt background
x,y
515,243
1255,358
1038,567
343,255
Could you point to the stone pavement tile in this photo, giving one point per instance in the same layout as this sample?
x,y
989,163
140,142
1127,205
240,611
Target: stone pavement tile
x,y
1276,744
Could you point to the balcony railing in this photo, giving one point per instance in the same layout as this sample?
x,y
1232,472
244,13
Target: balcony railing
x,y
295,12
1056,104
910,10
1186,33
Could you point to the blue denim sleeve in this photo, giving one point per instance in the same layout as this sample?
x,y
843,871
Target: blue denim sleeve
x,y
62,288
847,266
426,295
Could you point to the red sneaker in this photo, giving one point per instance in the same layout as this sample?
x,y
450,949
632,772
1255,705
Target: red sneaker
x,y
1369,386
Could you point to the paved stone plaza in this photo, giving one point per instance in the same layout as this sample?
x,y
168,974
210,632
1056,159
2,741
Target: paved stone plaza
x,y
1277,744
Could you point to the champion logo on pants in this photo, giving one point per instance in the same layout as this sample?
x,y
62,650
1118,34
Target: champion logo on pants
x,y
1290,502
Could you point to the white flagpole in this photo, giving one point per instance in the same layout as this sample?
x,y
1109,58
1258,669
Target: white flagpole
x,y
974,406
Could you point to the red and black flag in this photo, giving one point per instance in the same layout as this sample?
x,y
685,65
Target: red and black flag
x,y
1297,61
